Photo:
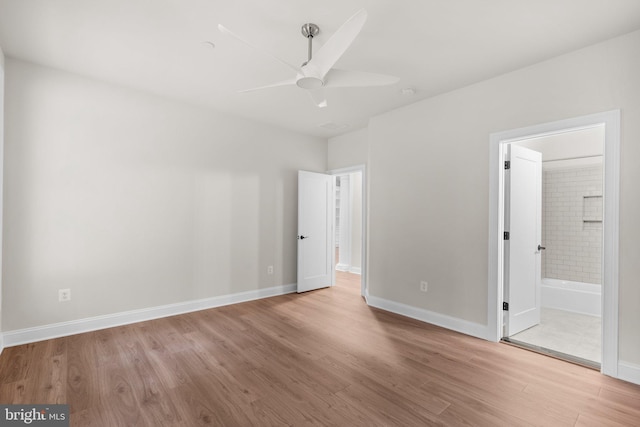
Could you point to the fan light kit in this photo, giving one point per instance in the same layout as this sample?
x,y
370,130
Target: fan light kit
x,y
317,73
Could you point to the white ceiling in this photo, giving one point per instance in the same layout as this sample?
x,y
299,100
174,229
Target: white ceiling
x,y
579,143
434,46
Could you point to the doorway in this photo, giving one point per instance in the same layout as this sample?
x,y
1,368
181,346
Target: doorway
x,y
349,228
566,286
610,121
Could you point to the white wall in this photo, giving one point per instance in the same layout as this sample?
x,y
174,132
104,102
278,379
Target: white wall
x,y
1,181
348,150
429,175
135,201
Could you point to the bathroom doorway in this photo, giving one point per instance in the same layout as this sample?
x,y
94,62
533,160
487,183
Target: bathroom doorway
x,y
569,281
499,143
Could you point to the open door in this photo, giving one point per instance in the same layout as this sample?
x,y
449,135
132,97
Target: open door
x,y
523,220
315,228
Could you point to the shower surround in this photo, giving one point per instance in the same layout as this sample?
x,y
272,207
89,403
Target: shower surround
x,y
572,224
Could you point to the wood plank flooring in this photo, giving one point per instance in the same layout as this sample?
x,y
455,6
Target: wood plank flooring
x,y
319,358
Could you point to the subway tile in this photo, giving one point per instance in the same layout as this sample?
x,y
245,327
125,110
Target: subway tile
x,y
572,245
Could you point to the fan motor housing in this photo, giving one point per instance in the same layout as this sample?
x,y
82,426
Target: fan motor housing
x,y
309,83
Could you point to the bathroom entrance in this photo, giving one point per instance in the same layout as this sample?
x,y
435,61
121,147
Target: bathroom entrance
x,y
583,285
557,309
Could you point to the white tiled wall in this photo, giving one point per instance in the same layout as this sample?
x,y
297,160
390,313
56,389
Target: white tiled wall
x,y
572,224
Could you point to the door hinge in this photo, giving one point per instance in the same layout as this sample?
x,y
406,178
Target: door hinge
x,y
505,306
506,235
507,164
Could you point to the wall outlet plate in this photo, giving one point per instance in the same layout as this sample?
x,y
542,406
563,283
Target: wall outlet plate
x,y
270,269
64,295
424,286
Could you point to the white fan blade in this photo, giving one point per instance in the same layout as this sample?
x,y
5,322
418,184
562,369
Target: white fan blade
x,y
318,97
339,42
290,82
225,30
343,78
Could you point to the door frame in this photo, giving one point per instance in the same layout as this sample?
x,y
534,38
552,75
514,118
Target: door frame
x,y
364,289
610,249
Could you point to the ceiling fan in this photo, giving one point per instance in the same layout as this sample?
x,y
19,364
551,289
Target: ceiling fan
x,y
317,73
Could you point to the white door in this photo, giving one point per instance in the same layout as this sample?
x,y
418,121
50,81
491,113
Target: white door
x,y
522,251
315,228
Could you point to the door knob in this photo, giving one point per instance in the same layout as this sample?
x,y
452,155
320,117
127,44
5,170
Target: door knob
x,y
301,237
541,247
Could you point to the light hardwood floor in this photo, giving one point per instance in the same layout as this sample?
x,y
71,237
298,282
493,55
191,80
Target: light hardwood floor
x,y
319,358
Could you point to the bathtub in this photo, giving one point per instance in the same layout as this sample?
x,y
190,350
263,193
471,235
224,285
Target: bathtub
x,y
571,296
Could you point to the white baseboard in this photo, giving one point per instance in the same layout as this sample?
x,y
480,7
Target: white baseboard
x,y
348,269
629,372
56,330
459,325
342,267
1,342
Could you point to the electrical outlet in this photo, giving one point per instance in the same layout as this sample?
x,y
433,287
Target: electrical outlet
x,y
424,286
270,269
64,295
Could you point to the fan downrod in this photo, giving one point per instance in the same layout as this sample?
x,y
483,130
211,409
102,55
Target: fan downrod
x,y
309,31
309,82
